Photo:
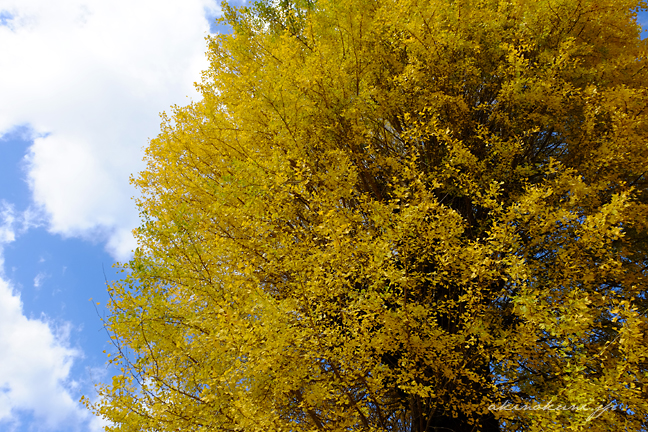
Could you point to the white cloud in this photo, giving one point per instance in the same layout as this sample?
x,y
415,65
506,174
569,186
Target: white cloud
x,y
7,221
13,223
90,77
35,356
35,362
38,280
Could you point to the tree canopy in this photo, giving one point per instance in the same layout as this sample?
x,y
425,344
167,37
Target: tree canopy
x,y
395,215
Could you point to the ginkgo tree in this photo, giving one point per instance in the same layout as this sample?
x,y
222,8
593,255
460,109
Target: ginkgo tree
x,y
395,215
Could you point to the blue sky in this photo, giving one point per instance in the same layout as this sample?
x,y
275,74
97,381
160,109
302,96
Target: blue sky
x,y
81,86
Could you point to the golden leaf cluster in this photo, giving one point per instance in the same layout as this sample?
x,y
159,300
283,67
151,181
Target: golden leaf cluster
x,y
395,215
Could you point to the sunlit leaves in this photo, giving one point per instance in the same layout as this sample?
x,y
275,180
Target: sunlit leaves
x,y
395,216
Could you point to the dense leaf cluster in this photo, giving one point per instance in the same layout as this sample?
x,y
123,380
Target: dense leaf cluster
x,y
396,215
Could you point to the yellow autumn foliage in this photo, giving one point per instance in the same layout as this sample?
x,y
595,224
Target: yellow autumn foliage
x,y
397,215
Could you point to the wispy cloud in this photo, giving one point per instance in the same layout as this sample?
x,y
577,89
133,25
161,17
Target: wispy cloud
x,y
38,280
13,223
7,222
